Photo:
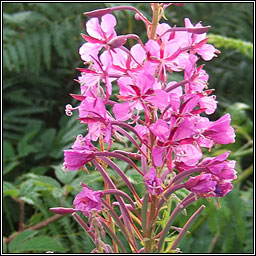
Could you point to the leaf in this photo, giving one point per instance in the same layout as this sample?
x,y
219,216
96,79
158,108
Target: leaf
x,y
8,151
22,51
39,170
41,244
57,193
25,149
9,189
9,167
58,41
64,177
26,187
49,181
27,200
43,180
35,219
20,239
46,45
14,58
47,138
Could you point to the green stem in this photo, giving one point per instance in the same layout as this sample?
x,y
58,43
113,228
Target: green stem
x,y
155,20
150,224
186,227
144,212
242,153
114,237
245,174
181,206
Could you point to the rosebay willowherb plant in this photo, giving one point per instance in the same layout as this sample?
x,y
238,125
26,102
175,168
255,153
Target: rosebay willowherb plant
x,y
165,121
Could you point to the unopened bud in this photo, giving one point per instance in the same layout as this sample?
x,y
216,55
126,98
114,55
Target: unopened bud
x,y
98,13
117,41
137,16
178,4
197,30
62,211
217,51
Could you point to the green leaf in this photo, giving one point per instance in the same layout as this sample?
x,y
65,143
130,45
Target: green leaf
x,y
39,170
47,138
57,193
8,151
46,45
9,167
36,218
18,241
43,180
27,200
41,244
11,192
64,177
9,189
49,181
26,187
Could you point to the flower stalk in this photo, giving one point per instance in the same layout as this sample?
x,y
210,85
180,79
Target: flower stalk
x,y
164,121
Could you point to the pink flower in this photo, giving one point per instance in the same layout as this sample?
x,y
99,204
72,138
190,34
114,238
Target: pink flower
x,y
82,143
201,184
220,131
209,103
92,107
135,94
125,64
87,201
100,72
153,183
163,55
75,159
80,154
197,77
198,42
188,154
176,137
222,188
99,36
161,129
220,167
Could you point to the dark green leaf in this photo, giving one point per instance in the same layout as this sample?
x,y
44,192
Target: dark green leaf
x,y
64,177
18,241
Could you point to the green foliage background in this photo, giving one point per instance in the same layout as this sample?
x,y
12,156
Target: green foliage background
x,y
40,56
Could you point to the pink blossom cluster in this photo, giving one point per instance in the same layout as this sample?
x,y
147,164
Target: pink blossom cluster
x,y
166,120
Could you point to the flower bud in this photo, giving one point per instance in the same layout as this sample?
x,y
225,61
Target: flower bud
x,y
62,211
198,30
117,41
98,13
137,16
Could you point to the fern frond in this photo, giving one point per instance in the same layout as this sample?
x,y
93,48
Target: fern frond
x,y
245,48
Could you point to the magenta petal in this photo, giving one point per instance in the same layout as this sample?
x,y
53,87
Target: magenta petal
x,y
185,130
157,155
123,111
153,48
89,49
207,52
93,28
88,200
75,159
153,183
108,22
161,129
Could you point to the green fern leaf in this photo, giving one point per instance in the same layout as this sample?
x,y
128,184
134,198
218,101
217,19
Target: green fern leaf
x,y
46,47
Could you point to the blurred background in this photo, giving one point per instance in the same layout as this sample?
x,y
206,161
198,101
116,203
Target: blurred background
x,y
40,57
